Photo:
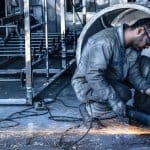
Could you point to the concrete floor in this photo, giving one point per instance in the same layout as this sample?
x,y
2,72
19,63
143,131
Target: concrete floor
x,y
41,133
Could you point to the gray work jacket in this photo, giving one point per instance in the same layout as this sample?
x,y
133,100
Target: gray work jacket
x,y
105,58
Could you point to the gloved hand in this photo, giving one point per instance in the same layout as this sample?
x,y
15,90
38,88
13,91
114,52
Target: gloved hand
x,y
118,107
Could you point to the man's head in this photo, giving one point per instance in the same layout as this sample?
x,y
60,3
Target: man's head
x,y
138,35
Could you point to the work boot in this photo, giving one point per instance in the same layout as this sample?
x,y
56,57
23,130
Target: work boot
x,y
88,121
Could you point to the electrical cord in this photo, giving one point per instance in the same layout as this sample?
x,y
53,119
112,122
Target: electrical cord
x,y
68,145
66,119
61,118
63,144
19,115
13,123
69,106
28,112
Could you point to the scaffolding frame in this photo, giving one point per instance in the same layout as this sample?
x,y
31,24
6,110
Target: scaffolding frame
x,y
30,94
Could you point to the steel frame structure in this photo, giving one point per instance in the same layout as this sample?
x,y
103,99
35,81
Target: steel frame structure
x,y
28,70
31,94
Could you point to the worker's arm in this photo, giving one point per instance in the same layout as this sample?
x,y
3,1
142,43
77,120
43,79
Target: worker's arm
x,y
100,55
136,79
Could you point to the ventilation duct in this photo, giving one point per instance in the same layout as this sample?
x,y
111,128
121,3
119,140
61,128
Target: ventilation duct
x,y
110,16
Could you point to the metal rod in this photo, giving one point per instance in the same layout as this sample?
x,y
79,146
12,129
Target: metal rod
x,y
74,25
84,11
21,43
43,16
17,71
56,15
9,80
8,49
6,14
46,37
8,26
63,32
13,101
28,61
49,82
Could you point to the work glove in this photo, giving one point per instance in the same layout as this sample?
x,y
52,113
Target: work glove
x,y
118,107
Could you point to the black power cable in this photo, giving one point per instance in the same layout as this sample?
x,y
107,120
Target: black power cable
x,y
61,118
68,145
13,123
69,106
63,144
28,112
19,115
66,119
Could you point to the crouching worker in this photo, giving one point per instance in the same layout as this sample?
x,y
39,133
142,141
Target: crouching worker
x,y
109,58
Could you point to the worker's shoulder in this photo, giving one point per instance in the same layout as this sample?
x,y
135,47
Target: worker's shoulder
x,y
106,36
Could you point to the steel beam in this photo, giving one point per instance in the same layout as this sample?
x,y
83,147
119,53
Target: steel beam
x,y
6,14
46,37
13,101
22,101
84,11
17,71
74,24
63,31
28,60
9,80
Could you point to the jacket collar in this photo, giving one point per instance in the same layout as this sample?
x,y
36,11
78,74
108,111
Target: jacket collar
x,y
121,35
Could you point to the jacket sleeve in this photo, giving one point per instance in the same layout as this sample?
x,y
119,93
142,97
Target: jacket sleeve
x,y
99,59
136,79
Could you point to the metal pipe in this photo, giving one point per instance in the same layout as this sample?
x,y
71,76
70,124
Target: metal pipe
x,y
63,32
56,15
74,25
43,11
84,11
28,61
17,71
111,13
46,37
6,14
139,116
12,101
8,26
34,27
